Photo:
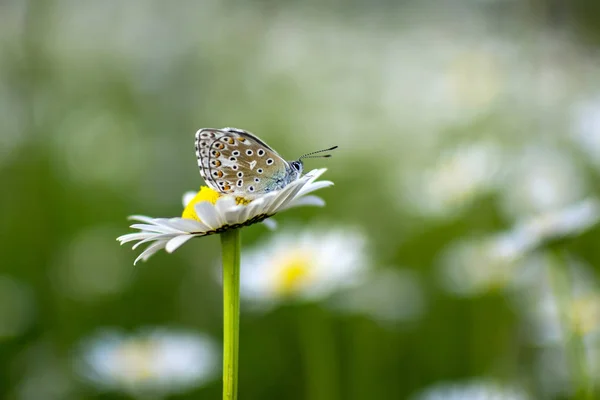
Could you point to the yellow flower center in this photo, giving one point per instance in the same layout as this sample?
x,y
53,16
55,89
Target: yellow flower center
x,y
136,359
294,272
206,194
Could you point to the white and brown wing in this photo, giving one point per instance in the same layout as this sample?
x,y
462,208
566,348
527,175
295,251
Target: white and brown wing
x,y
234,161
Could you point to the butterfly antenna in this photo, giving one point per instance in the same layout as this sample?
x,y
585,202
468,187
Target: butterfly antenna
x,y
312,155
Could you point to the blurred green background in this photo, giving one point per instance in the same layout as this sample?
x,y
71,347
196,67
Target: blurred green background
x,y
455,119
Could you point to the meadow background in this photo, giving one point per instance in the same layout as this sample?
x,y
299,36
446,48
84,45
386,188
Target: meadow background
x,y
456,120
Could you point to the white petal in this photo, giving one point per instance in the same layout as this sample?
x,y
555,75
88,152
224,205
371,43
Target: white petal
x,y
305,201
187,197
177,241
257,207
141,218
314,174
154,228
284,198
150,250
207,214
244,214
270,223
153,238
272,204
189,225
166,223
227,209
314,186
251,210
130,237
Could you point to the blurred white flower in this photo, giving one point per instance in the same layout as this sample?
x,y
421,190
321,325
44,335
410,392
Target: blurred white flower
x,y
586,128
303,265
477,389
474,266
17,307
541,180
540,309
209,213
455,181
388,296
155,362
547,227
552,374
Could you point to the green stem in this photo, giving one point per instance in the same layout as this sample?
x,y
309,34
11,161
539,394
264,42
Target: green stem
x,y
573,341
231,243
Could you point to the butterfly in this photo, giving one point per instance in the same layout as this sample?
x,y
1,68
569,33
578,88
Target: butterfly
x,y
234,161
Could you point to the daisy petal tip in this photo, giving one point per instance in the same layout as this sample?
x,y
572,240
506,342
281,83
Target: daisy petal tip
x,y
270,223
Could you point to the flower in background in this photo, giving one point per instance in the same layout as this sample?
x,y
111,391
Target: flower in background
x,y
477,389
541,180
455,181
303,265
156,362
554,378
473,266
546,228
470,267
389,296
209,212
586,128
541,311
555,320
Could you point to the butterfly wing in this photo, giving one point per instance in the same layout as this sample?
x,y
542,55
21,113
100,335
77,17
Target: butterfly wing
x,y
234,161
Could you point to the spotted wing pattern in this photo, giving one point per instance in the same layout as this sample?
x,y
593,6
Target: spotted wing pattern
x,y
234,161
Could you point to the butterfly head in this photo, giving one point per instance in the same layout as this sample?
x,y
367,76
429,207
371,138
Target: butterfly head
x,y
297,166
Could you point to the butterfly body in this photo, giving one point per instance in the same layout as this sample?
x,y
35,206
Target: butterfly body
x,y
234,161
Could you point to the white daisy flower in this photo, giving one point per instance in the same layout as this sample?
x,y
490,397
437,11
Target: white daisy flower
x,y
305,265
471,267
478,389
554,376
541,180
460,176
586,127
562,223
474,266
209,212
541,309
157,362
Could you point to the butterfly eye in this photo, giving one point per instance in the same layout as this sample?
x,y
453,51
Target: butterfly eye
x,y
295,165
